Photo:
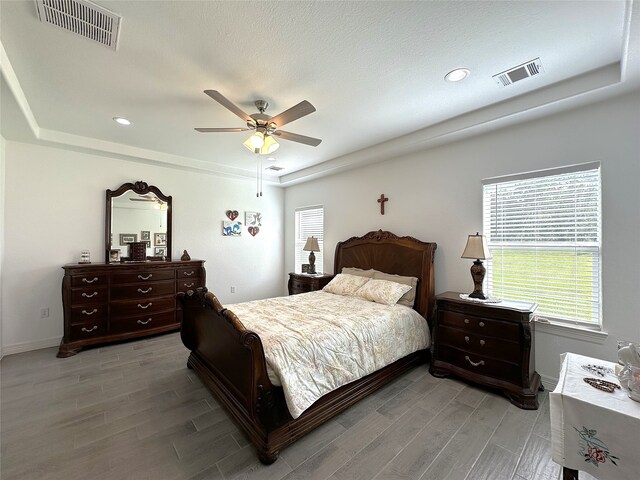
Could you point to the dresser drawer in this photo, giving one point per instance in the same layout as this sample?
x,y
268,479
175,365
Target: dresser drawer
x,y
87,313
88,280
188,272
479,344
141,322
144,276
146,306
480,365
88,295
185,284
86,330
141,291
480,325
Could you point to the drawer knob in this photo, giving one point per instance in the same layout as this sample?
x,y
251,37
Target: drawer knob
x,y
145,278
86,295
482,342
84,312
145,306
142,322
466,320
188,274
189,285
95,327
94,279
145,291
475,364
466,339
481,324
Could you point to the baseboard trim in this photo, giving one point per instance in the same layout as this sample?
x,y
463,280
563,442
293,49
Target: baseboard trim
x,y
28,346
549,383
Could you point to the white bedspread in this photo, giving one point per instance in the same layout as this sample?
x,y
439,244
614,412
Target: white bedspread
x,y
316,342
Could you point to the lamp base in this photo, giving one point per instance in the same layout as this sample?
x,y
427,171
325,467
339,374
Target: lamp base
x,y
312,263
477,273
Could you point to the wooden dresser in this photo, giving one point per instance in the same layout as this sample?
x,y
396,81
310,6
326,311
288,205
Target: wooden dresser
x,y
104,303
487,343
303,282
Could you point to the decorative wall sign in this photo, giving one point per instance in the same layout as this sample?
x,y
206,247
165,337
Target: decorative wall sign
x,y
253,231
232,214
231,229
128,238
253,219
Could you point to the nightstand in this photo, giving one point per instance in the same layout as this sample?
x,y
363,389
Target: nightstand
x,y
303,282
487,343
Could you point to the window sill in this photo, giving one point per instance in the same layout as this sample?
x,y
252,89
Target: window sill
x,y
572,331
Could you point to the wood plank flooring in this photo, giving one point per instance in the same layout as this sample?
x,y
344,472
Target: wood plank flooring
x,y
133,411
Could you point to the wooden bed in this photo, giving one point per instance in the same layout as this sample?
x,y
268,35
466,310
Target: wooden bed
x,y
230,361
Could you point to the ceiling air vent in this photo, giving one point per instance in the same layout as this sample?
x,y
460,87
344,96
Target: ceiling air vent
x,y
513,75
274,168
83,18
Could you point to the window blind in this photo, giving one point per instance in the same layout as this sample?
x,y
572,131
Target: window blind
x,y
543,231
309,222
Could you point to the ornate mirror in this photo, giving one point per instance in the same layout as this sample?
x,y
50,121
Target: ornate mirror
x,y
137,212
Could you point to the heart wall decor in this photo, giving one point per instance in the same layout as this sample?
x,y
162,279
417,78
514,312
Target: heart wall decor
x,y
253,231
232,214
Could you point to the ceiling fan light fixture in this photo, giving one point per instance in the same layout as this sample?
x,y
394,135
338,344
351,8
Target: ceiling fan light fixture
x,y
257,140
270,145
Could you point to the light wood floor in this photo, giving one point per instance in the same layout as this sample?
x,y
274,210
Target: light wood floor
x,y
134,411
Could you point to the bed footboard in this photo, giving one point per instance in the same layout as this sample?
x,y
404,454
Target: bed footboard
x,y
229,359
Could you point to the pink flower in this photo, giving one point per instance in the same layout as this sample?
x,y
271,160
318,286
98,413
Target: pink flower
x,y
597,455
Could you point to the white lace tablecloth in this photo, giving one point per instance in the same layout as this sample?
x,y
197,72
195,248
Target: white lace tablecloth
x,y
594,431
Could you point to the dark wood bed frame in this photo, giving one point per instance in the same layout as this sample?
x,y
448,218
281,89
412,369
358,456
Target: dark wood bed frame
x,y
230,361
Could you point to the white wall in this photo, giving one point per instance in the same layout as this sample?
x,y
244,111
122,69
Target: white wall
x,y
55,207
2,230
436,195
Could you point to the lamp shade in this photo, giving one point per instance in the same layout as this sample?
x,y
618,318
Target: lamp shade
x,y
269,145
476,248
311,245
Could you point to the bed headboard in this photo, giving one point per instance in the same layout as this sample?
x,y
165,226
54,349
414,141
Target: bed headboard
x,y
386,252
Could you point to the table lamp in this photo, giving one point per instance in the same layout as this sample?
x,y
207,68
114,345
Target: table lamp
x,y
312,246
477,248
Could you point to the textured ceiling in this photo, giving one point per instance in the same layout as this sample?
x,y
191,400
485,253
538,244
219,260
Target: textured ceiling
x,y
373,70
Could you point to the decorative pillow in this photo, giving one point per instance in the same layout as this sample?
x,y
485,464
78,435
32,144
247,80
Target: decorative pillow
x,y
345,284
358,272
382,291
409,298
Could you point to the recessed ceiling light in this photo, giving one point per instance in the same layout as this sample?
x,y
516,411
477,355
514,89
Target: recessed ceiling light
x,y
271,159
457,75
121,121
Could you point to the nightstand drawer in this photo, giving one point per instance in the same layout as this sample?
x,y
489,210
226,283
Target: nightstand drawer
x,y
480,364
480,325
479,344
300,286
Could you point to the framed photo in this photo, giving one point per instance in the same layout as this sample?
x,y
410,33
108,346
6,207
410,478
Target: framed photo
x,y
305,268
253,219
147,243
161,251
231,229
145,235
160,239
114,255
128,238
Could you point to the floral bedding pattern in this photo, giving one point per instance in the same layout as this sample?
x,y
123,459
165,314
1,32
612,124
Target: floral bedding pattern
x,y
316,342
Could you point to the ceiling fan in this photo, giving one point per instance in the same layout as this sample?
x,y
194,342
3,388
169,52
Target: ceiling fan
x,y
265,126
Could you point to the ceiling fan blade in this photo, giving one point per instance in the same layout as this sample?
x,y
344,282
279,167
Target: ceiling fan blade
x,y
294,137
218,97
208,130
294,113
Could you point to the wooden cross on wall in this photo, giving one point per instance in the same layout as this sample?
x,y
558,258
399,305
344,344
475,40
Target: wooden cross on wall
x,y
381,201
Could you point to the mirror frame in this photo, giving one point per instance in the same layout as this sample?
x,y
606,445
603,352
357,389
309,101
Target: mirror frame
x,y
141,188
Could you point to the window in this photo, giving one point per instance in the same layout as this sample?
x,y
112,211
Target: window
x,y
543,230
309,222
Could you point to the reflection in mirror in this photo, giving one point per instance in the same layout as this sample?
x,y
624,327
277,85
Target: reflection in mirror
x,y
138,213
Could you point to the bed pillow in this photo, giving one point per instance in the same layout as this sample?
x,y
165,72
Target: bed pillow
x,y
409,298
358,272
345,284
382,291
